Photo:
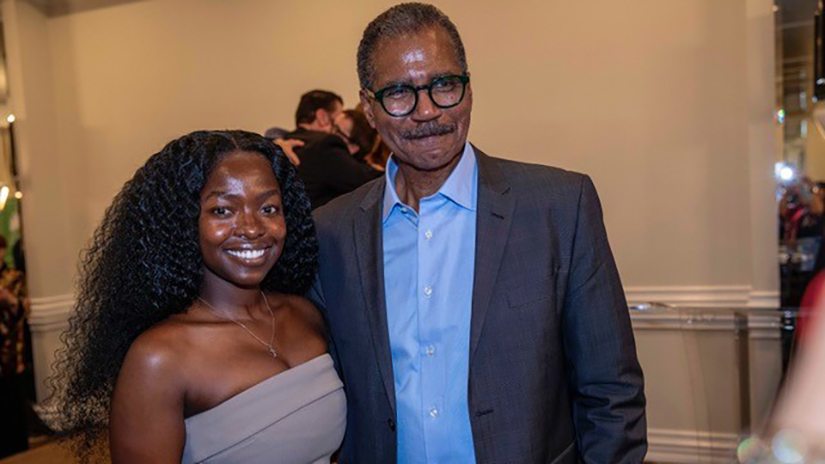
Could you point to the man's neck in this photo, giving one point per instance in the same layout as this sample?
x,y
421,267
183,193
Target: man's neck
x,y
411,185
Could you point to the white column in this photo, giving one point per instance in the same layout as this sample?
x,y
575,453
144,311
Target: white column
x,y
762,153
765,350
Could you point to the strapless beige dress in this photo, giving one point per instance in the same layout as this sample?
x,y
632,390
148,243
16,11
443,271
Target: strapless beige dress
x,y
295,417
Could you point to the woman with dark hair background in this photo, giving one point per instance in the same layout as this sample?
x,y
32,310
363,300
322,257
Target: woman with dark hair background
x,y
362,140
190,342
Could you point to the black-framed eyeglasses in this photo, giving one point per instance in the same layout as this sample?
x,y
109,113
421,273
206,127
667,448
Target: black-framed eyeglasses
x,y
401,99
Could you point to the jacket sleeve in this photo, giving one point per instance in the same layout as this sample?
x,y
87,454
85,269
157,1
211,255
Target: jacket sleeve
x,y
316,296
604,373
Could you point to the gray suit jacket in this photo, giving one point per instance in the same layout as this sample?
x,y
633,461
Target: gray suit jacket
x,y
553,371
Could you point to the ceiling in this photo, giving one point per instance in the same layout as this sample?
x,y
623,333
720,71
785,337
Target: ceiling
x,y
63,7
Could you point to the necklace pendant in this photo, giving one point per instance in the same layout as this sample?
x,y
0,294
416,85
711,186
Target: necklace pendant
x,y
272,352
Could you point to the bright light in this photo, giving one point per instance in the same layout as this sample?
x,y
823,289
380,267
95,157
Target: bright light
x,y
4,195
784,172
10,118
18,194
780,116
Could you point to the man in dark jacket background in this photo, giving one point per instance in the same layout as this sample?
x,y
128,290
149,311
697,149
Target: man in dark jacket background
x,y
326,166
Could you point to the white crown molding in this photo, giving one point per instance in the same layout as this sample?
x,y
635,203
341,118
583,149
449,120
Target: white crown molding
x,y
50,313
689,446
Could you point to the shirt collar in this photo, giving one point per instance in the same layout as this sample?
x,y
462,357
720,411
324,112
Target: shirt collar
x,y
459,187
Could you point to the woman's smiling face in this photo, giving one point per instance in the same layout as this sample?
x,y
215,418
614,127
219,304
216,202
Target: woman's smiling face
x,y
242,227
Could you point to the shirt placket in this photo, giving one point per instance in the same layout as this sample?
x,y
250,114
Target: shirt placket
x,y
429,351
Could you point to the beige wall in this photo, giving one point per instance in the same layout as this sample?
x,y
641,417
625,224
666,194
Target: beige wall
x,y
648,97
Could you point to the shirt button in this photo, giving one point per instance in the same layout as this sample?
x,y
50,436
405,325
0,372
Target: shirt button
x,y
430,351
428,291
428,234
433,412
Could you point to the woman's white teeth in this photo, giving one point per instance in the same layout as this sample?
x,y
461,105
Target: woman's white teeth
x,y
247,254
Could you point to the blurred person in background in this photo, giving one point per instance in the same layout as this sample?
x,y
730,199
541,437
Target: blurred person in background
x,y
325,164
796,430
13,427
363,141
801,230
808,208
278,136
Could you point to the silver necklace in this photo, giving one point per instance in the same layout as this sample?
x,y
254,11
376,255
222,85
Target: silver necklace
x,y
243,326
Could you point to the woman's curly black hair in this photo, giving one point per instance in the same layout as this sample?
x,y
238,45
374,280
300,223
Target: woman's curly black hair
x,y
144,264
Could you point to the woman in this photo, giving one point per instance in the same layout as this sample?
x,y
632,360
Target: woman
x,y
363,141
188,335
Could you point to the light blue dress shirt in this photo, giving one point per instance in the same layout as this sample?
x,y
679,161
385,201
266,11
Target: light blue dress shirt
x,y
429,262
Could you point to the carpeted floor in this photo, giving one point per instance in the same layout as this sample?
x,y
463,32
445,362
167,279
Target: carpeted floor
x,y
47,454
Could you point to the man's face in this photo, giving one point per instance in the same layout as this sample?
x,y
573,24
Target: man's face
x,y
343,127
328,117
430,137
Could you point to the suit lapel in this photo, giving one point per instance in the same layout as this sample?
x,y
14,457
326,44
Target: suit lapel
x,y
495,214
369,250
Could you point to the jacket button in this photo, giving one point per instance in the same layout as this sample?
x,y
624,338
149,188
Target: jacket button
x,y
391,423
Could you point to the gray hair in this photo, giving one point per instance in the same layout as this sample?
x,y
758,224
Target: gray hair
x,y
403,19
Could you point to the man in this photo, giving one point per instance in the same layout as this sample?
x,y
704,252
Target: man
x,y
326,167
475,309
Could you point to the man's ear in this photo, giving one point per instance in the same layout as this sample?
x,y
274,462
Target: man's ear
x,y
365,104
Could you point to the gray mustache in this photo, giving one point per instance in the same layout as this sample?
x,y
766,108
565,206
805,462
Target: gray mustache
x,y
428,130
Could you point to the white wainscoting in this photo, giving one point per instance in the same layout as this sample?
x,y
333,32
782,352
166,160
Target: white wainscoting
x,y
50,313
48,319
701,386
680,446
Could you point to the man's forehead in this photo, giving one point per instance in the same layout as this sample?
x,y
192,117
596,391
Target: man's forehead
x,y
424,54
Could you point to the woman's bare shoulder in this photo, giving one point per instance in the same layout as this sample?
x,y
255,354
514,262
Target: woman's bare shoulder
x,y
160,352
